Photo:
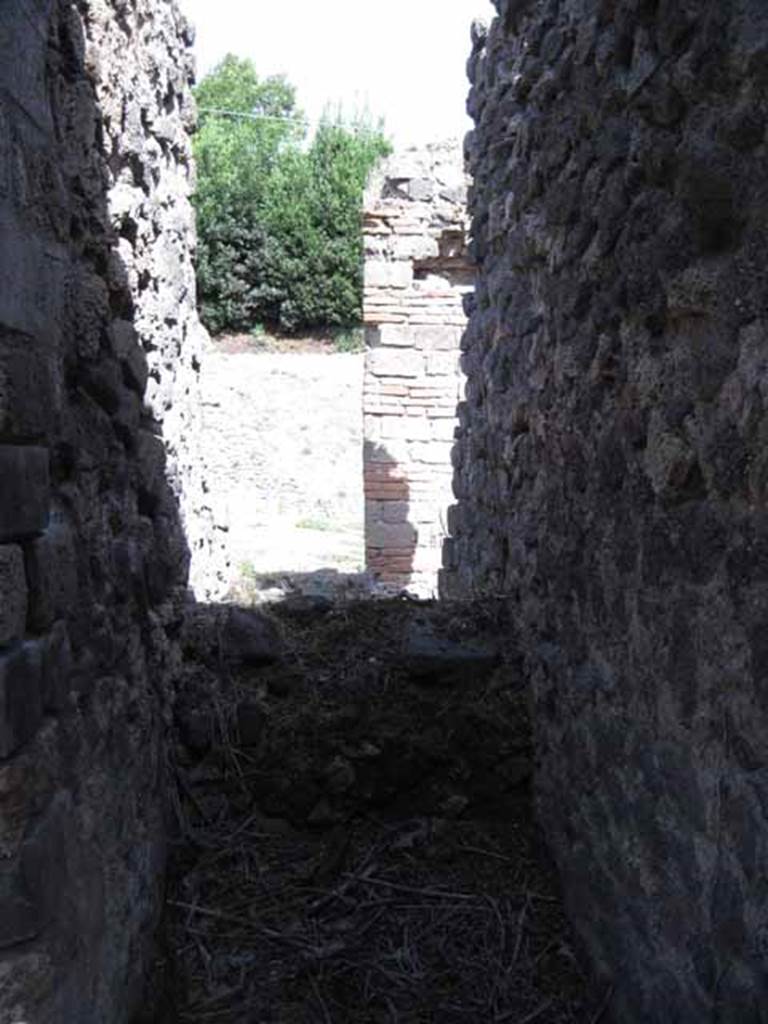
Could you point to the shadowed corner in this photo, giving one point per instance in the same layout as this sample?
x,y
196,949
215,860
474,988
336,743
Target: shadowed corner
x,y
93,555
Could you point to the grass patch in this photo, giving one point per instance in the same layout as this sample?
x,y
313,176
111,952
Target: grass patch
x,y
316,523
349,340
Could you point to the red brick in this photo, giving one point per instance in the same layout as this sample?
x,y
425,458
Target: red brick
x,y
387,494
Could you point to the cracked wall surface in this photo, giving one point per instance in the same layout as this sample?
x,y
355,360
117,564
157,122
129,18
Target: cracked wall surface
x,y
99,484
612,469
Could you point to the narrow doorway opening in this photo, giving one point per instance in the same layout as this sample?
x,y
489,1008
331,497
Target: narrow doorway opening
x,y
283,440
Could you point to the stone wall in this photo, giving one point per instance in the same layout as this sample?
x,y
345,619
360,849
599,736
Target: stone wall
x,y
416,277
97,367
147,112
613,471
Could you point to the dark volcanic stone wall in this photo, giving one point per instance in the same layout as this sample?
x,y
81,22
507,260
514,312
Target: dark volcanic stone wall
x,y
95,238
612,468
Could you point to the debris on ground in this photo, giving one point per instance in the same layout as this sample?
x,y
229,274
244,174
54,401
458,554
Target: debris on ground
x,y
354,846
428,655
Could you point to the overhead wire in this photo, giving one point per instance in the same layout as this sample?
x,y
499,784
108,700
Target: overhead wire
x,y
242,115
218,111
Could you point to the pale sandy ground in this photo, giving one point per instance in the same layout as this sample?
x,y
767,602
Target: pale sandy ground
x,y
283,440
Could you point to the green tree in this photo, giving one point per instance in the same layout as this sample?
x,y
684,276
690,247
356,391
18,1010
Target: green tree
x,y
278,221
244,122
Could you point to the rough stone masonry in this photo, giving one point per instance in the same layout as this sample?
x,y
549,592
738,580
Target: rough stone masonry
x,y
611,474
416,278
612,468
98,483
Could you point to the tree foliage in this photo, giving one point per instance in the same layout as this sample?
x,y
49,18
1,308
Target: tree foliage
x,y
278,218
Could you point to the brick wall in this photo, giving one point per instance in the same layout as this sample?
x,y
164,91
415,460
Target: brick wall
x,y
416,277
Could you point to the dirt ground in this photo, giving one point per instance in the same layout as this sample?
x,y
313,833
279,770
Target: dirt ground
x,y
354,841
282,441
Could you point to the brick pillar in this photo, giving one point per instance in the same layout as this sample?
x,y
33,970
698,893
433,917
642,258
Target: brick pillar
x,y
416,276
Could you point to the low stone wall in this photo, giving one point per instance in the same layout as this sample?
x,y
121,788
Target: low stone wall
x,y
97,379
416,277
612,470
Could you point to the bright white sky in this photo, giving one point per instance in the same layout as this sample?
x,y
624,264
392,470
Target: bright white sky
x,y
404,59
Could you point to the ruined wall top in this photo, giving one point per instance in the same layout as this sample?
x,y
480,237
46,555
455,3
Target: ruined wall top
x,y
414,226
433,174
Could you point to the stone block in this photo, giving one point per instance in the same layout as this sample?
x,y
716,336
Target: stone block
x,y
409,428
404,166
396,451
421,190
56,653
52,576
28,397
103,381
21,704
442,429
13,594
372,428
396,274
23,31
127,420
90,301
437,338
248,637
392,362
391,535
449,556
152,467
432,657
390,336
416,428
387,511
27,783
386,491
24,496
416,247
33,280
379,463
395,511
433,452
128,349
389,564
455,519
19,917
31,884
443,364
